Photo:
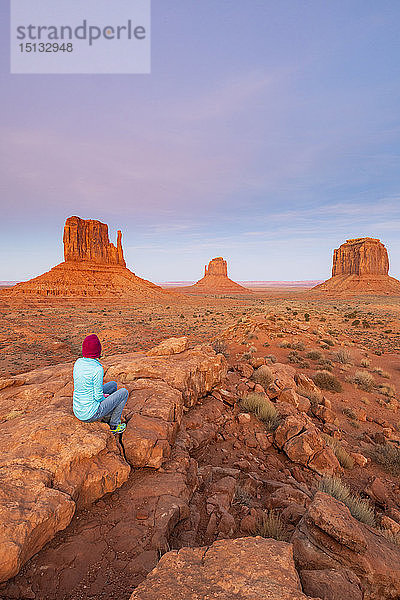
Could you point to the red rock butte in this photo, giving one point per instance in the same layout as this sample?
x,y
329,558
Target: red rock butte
x,y
216,280
92,267
360,265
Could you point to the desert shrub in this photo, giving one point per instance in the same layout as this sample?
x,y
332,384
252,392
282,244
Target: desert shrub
x,y
326,381
387,390
295,358
382,373
344,458
366,324
220,347
306,317
359,508
328,342
298,346
325,363
270,525
365,363
364,380
349,412
343,356
263,376
356,322
262,408
314,355
388,456
271,358
285,344
242,497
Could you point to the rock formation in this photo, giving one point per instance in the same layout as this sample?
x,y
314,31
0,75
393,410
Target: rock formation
x,y
93,267
216,280
360,265
52,464
334,551
88,240
245,568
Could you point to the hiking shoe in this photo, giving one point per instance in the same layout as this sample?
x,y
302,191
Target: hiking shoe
x,y
119,428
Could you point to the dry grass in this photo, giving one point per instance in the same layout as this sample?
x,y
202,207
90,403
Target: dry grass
x,y
364,381
387,390
344,458
270,525
359,508
314,355
314,398
365,363
388,456
220,347
263,376
382,373
343,356
326,381
262,408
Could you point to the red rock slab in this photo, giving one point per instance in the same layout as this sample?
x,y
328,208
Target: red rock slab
x,y
245,568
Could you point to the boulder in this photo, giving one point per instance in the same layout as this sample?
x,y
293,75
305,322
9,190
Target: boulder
x,y
330,538
245,568
170,346
303,444
332,584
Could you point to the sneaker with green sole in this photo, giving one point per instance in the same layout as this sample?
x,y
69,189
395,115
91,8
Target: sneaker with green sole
x,y
119,428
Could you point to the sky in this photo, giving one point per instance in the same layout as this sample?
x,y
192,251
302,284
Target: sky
x,y
267,133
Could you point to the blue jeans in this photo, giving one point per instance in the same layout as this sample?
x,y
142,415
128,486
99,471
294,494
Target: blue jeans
x,y
110,408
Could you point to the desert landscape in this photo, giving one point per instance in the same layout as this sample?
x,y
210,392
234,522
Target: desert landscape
x,y
261,423
199,300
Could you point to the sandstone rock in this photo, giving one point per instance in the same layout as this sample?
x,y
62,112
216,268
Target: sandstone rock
x,y
303,444
88,240
361,256
93,267
50,462
326,415
290,396
359,459
288,428
31,513
245,568
377,491
216,280
244,418
305,383
331,584
170,346
360,266
329,538
391,525
283,375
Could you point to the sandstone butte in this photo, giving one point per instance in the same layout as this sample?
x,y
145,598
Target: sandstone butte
x,y
216,280
360,265
92,267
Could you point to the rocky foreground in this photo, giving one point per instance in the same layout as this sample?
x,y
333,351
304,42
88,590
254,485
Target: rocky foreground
x,y
198,472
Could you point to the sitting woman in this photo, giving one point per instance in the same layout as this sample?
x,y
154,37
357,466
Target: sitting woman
x,y
93,401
